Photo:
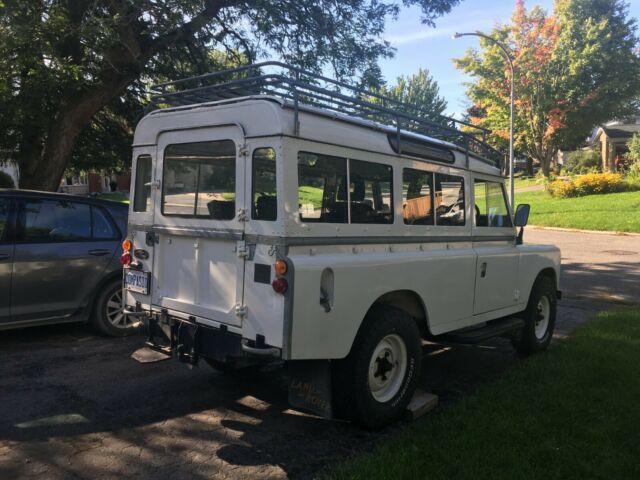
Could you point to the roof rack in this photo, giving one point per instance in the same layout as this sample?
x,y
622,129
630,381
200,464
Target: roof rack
x,y
301,87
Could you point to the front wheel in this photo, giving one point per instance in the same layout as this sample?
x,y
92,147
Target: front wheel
x,y
375,382
539,317
109,317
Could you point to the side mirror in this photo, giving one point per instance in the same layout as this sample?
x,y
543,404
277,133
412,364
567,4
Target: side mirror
x,y
520,220
522,215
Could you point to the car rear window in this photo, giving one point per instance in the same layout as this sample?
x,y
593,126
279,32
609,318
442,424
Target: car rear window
x,y
200,180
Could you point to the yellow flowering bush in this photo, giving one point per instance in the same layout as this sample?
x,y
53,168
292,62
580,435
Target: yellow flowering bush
x,y
589,184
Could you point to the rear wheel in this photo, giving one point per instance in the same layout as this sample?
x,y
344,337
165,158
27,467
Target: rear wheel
x,y
375,382
539,317
109,317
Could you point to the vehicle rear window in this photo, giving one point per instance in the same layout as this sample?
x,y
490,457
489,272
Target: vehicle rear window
x,y
199,180
56,220
142,192
449,200
490,204
264,197
417,193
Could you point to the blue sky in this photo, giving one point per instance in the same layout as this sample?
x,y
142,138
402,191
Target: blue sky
x,y
418,46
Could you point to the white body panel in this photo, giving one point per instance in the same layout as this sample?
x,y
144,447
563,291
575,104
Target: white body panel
x,y
462,275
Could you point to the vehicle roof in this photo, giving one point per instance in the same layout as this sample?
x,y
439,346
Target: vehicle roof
x,y
63,196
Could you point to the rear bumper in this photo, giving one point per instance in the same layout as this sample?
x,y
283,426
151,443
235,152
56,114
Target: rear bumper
x,y
189,341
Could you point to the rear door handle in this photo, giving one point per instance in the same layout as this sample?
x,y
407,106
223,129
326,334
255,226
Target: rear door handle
x,y
483,270
99,252
4,256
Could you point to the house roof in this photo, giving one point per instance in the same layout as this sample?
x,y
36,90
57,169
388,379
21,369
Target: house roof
x,y
621,131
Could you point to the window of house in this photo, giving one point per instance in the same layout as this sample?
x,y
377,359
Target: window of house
x,y
370,192
417,197
263,189
449,200
142,191
56,221
490,204
322,192
199,180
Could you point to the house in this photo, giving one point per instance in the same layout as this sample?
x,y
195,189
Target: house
x,y
611,141
95,183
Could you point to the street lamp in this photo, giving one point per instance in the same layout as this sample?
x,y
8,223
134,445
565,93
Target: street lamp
x,y
510,61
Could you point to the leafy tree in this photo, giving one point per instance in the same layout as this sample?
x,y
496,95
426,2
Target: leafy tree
x,y
419,90
62,62
574,70
634,148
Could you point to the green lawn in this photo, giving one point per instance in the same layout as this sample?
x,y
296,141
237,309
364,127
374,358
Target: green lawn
x,y
613,211
114,196
569,413
521,182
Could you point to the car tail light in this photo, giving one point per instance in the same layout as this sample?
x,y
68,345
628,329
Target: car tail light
x,y
280,285
125,259
127,245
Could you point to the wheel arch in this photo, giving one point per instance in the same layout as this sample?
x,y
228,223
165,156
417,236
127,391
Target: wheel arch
x,y
547,272
109,278
407,301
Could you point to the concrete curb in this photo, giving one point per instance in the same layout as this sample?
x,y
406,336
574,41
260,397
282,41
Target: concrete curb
x,y
577,230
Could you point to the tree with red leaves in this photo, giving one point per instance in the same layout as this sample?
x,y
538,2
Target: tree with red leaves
x,y
574,69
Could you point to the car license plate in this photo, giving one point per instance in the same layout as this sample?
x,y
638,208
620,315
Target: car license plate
x,y
137,281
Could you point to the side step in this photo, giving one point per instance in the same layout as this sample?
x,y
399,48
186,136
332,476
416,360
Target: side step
x,y
494,328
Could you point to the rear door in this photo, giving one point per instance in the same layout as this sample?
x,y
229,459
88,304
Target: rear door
x,y
200,218
58,261
6,258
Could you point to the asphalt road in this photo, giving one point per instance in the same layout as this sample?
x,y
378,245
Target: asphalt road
x,y
75,406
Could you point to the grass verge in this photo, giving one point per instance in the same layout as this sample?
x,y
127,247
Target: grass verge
x,y
114,197
612,211
570,413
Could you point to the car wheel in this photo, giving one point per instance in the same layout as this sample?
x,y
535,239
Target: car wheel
x,y
375,383
539,317
109,317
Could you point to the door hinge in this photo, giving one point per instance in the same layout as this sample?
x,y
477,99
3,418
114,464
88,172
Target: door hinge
x,y
242,215
241,310
243,151
246,250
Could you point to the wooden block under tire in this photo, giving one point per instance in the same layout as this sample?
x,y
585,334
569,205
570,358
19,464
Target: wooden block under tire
x,y
421,404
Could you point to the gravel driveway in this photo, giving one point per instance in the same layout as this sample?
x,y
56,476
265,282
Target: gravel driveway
x,y
74,405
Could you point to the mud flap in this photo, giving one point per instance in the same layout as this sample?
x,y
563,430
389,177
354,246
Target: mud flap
x,y
310,386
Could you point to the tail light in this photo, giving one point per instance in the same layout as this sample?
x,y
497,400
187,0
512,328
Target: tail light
x,y
280,285
127,245
125,259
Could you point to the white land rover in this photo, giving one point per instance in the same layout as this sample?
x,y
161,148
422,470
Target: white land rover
x,y
289,216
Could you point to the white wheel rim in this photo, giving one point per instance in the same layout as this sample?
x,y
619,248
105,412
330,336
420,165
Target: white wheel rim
x,y
387,368
542,320
115,312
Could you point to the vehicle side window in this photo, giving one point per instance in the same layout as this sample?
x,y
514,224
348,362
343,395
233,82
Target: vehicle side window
x,y
142,192
490,204
56,221
417,193
200,180
449,200
4,218
370,192
322,193
101,227
263,190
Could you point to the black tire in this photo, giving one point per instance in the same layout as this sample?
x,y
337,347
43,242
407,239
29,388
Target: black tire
x,y
353,397
527,341
105,318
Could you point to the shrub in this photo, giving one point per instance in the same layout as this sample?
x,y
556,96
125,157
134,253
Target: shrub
x,y
6,181
582,161
589,184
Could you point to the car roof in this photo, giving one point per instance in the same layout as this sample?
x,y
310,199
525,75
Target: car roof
x,y
62,196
